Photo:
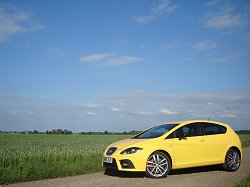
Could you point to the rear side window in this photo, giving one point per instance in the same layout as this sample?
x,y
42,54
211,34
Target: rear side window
x,y
210,129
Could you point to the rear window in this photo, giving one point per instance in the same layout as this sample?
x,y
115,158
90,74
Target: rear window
x,y
210,129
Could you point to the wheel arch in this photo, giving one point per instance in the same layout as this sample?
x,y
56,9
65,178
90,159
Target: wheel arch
x,y
237,149
232,146
166,153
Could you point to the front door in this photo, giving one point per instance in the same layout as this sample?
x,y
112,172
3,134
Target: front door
x,y
189,146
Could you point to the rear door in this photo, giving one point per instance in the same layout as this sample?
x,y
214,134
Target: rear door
x,y
215,139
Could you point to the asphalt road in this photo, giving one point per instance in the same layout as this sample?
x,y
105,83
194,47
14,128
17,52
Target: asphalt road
x,y
204,176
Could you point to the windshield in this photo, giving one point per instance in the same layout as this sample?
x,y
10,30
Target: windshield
x,y
156,131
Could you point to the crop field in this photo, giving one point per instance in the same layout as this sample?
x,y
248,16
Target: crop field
x,y
245,140
25,157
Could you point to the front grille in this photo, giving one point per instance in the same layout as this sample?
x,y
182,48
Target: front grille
x,y
112,165
111,150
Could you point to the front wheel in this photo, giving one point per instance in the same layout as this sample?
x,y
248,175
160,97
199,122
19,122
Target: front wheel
x,y
232,160
158,165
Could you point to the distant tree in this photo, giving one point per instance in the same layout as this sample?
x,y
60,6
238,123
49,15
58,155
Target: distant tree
x,y
35,132
106,132
134,132
243,132
59,131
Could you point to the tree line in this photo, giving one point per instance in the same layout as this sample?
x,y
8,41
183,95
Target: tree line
x,y
65,131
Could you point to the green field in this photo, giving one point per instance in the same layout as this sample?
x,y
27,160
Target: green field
x,y
31,157
245,182
245,140
25,157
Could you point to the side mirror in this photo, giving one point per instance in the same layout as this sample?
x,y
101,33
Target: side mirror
x,y
182,137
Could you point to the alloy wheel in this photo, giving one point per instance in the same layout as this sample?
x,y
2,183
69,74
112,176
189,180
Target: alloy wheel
x,y
158,165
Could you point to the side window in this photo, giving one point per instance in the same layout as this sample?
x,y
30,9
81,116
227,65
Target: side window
x,y
172,135
193,129
210,129
223,129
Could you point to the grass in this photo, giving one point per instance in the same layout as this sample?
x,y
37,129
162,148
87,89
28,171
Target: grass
x,y
26,157
245,140
245,182
32,157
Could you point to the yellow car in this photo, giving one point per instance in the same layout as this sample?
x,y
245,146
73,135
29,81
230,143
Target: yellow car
x,y
176,145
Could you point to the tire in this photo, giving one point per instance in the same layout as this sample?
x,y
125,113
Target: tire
x,y
232,160
158,165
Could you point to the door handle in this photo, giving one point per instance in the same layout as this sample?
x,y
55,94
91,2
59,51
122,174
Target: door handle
x,y
202,140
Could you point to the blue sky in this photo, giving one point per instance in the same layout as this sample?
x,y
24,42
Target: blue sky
x,y
123,65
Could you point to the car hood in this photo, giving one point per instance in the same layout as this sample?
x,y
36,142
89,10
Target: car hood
x,y
129,142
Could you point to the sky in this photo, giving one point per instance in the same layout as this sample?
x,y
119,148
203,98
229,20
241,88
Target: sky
x,y
123,65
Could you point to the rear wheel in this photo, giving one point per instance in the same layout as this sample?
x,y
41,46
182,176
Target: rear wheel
x,y
158,165
232,160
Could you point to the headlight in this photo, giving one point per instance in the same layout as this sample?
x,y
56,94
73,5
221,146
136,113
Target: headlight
x,y
131,150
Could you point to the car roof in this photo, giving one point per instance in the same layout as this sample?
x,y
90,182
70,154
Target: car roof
x,y
195,121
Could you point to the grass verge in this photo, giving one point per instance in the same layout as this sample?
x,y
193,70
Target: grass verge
x,y
244,183
245,140
36,169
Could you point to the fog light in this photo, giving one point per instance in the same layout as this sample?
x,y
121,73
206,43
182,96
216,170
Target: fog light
x,y
127,164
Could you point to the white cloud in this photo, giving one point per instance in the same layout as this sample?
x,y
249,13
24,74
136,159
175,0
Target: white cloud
x,y
144,113
95,57
91,113
14,21
122,60
167,112
107,59
168,47
226,115
145,19
223,18
162,7
229,57
141,95
200,115
6,95
205,45
212,3
90,105
114,109
187,105
132,109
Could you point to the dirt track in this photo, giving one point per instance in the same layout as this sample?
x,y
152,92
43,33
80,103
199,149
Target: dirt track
x,y
205,176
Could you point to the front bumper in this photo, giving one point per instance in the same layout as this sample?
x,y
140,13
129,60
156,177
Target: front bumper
x,y
128,162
